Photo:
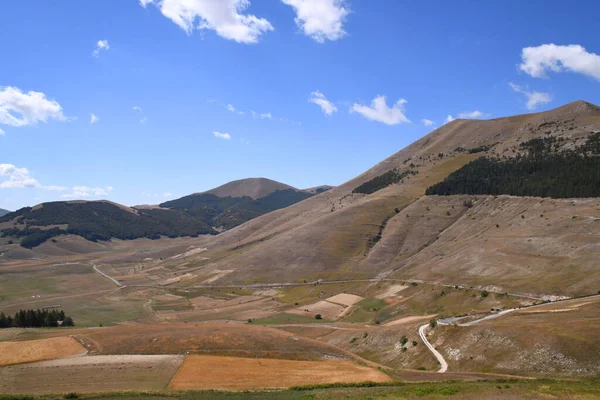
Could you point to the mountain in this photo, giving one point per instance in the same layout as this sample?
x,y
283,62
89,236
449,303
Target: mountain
x,y
254,188
3,212
193,215
228,212
318,189
382,223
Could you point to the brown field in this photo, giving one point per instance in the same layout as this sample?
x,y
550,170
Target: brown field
x,y
206,338
38,350
230,373
345,299
90,374
326,309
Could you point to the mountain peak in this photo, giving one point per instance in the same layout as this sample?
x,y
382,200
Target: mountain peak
x,y
251,187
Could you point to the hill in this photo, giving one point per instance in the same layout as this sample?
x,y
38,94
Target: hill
x,y
254,188
318,189
3,212
193,215
381,223
229,212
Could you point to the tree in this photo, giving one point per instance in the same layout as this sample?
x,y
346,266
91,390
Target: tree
x,y
318,316
433,323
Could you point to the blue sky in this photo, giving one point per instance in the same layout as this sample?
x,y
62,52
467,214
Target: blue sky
x,y
310,71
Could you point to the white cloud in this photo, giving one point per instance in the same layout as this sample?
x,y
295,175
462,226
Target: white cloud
x,y
427,122
219,135
2,133
320,19
230,108
136,108
472,115
533,98
380,112
101,45
17,178
143,120
165,195
225,17
20,109
536,61
93,118
449,118
56,188
256,115
78,192
319,99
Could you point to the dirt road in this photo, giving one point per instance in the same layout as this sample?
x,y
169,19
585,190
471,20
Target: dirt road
x,y
443,363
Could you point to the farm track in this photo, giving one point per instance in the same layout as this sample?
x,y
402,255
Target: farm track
x,y
438,356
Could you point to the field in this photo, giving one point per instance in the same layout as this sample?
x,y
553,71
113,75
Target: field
x,y
201,339
226,373
475,390
38,350
90,374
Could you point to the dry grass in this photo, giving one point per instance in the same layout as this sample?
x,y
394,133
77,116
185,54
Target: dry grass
x,y
90,374
229,373
206,338
38,350
538,341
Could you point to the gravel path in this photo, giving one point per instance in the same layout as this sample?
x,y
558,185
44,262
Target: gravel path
x,y
443,363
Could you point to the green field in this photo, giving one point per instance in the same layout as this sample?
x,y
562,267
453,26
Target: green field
x,y
512,389
285,318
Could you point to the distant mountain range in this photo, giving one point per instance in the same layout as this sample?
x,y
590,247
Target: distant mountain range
x,y
209,212
3,212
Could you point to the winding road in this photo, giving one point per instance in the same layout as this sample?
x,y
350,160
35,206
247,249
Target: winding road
x,y
443,363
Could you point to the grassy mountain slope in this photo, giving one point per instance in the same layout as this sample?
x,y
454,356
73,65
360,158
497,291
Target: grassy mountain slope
x,y
341,234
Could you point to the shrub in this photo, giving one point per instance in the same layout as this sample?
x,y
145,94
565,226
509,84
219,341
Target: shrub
x,y
433,323
318,316
403,340
484,293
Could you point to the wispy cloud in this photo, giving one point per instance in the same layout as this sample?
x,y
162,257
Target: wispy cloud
x,y
533,98
319,99
83,192
427,122
476,114
219,135
93,118
102,45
